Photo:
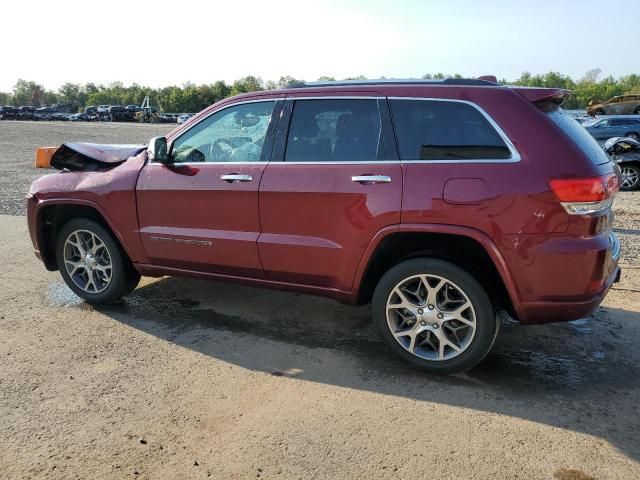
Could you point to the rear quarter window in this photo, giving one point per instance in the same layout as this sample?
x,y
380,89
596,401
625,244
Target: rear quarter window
x,y
445,130
579,135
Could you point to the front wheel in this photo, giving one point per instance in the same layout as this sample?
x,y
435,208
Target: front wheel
x,y
435,315
92,263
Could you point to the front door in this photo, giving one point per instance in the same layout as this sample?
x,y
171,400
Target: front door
x,y
201,211
334,186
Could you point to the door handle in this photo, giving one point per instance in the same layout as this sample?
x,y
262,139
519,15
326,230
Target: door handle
x,y
371,179
236,177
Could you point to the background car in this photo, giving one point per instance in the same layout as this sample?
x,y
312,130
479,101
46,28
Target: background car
x,y
60,116
118,113
620,105
25,113
8,113
76,117
615,126
626,153
184,117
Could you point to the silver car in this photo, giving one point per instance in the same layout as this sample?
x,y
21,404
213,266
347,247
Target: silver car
x,y
615,126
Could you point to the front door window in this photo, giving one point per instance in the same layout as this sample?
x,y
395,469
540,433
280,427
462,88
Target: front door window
x,y
234,134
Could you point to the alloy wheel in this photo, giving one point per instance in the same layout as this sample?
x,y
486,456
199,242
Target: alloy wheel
x,y
629,177
87,261
431,317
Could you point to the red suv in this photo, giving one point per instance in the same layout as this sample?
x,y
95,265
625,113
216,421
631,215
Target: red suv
x,y
441,203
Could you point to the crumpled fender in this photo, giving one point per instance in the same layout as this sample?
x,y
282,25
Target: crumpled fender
x,y
92,156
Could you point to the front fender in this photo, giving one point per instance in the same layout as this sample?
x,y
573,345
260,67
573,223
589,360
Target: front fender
x,y
111,194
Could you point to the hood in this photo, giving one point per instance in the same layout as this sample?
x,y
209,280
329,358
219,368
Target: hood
x,y
92,156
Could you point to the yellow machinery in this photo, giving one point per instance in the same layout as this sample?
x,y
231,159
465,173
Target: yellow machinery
x,y
148,114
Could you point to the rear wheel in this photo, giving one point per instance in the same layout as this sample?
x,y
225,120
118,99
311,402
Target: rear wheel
x,y
630,177
634,135
92,263
434,315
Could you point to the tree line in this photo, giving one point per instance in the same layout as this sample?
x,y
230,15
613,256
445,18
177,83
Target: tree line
x,y
193,98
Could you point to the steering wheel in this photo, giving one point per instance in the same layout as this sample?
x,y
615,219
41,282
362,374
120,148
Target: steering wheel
x,y
216,150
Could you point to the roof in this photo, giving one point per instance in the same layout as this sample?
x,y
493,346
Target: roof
x,y
395,81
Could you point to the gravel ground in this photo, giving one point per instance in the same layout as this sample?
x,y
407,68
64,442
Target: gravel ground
x,y
195,379
627,225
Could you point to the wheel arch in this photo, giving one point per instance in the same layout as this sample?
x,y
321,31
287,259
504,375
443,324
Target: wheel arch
x,y
51,215
465,247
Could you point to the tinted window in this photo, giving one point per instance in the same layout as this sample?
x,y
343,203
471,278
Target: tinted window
x,y
235,134
441,130
617,122
580,136
335,130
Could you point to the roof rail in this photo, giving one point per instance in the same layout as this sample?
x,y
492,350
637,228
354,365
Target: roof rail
x,y
393,81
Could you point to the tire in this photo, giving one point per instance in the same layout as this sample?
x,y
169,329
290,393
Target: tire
x,y
109,262
430,324
634,135
599,112
636,111
630,177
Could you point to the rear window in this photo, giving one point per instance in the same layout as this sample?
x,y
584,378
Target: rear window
x,y
579,135
445,130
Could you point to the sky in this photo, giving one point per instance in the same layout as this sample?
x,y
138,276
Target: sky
x,y
160,43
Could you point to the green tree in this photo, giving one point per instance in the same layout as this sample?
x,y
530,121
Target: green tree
x,y
31,93
246,84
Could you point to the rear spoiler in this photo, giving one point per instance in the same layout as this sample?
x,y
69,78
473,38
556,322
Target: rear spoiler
x,y
544,97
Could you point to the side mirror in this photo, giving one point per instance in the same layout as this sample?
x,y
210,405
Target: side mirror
x,y
157,150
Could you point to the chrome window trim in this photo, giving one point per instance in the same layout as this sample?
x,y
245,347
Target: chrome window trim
x,y
201,164
515,155
338,97
331,162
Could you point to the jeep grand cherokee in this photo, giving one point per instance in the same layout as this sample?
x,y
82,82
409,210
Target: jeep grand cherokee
x,y
440,203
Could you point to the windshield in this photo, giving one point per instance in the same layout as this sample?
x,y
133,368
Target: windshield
x,y
580,136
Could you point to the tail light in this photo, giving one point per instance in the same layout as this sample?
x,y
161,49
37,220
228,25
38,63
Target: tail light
x,y
584,196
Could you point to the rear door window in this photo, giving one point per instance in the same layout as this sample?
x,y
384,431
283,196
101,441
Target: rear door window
x,y
445,130
335,130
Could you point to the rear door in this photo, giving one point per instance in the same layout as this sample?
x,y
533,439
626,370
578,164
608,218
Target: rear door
x,y
201,211
620,127
332,185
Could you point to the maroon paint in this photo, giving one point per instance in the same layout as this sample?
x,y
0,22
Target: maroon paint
x,y
310,228
194,203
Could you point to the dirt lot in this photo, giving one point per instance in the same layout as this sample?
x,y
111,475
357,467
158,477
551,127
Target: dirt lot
x,y
193,379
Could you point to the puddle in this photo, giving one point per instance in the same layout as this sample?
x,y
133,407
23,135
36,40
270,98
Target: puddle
x,y
525,370
581,325
59,295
